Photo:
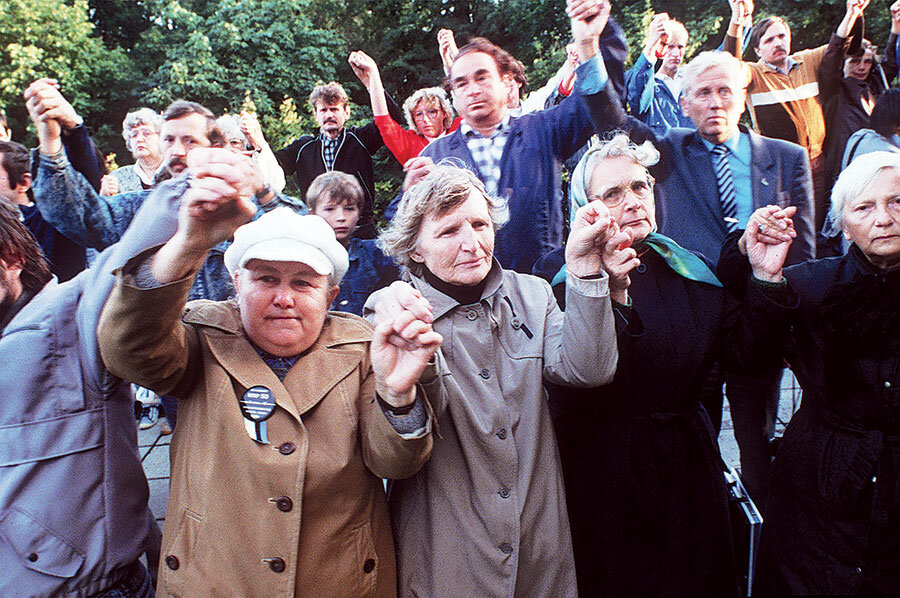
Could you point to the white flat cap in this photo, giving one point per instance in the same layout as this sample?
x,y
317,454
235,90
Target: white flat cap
x,y
283,235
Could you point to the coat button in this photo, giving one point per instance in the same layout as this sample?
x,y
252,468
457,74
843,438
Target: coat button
x,y
276,564
484,373
287,448
887,383
32,557
501,434
472,314
641,268
172,562
284,504
369,566
506,548
516,324
504,492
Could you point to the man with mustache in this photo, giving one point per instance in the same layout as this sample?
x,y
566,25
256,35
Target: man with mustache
x,y
68,202
783,88
347,149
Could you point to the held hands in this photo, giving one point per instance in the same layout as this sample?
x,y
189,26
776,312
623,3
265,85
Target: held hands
x,y
767,240
619,259
741,11
50,112
592,228
855,8
588,18
252,130
447,48
403,342
656,35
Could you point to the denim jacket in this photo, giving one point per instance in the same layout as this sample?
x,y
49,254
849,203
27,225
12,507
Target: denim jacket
x,y
651,101
71,205
369,271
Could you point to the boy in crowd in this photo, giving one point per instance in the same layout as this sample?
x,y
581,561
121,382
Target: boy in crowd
x,y
339,199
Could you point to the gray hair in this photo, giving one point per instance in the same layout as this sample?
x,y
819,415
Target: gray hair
x,y
620,145
712,59
141,116
856,178
446,187
433,96
231,126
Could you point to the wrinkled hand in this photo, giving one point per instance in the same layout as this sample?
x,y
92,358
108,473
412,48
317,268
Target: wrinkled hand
x,y
109,185
591,229
364,67
252,130
770,232
656,34
895,17
416,169
619,259
588,18
403,342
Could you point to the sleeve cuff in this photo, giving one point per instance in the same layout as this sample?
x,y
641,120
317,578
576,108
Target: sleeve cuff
x,y
589,287
591,76
409,422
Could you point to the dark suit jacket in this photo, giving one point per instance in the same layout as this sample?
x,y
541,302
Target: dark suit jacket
x,y
687,194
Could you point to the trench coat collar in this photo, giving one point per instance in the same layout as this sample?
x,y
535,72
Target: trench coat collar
x,y
341,346
441,303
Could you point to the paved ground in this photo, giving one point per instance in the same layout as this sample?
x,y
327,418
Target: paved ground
x,y
155,448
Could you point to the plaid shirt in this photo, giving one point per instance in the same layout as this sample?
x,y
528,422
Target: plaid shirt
x,y
487,151
330,150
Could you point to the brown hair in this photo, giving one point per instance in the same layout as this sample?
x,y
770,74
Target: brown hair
x,y
506,64
182,108
330,93
18,245
760,29
16,162
336,186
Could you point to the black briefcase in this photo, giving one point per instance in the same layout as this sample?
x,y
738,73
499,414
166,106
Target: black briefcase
x,y
746,523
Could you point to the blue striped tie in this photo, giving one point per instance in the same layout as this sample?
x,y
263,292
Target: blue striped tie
x,y
727,194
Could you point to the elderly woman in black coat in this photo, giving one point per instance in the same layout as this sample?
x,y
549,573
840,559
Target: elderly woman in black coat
x,y
833,516
644,479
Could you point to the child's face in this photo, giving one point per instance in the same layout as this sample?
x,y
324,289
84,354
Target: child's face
x,y
340,216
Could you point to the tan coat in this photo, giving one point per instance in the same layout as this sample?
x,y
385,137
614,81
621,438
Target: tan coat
x,y
304,515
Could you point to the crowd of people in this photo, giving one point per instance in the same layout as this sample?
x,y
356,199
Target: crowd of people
x,y
513,384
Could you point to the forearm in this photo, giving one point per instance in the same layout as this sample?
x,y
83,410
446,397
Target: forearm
x,y
846,24
74,208
580,350
82,154
376,95
269,168
140,334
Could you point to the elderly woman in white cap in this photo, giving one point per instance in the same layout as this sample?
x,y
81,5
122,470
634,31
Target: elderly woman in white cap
x,y
289,417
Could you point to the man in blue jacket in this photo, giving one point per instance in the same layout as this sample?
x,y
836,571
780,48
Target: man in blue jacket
x,y
517,157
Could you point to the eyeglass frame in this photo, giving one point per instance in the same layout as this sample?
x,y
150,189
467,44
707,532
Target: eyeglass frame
x,y
649,181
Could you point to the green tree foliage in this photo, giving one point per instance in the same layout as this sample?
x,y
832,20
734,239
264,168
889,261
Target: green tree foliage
x,y
54,38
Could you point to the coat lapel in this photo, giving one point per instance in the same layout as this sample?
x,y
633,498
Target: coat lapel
x,y
762,172
699,166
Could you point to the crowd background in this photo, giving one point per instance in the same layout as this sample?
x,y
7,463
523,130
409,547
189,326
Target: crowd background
x,y
265,55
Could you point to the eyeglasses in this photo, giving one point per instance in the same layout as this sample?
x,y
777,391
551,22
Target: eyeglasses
x,y
614,196
141,132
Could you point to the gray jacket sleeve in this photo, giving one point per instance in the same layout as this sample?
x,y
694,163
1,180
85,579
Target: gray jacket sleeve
x,y
580,344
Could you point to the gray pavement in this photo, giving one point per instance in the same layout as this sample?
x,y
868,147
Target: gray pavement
x,y
155,448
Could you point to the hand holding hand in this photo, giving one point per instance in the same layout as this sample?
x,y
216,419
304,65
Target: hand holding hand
x,y
109,185
619,259
855,8
767,240
656,33
447,48
50,112
416,169
403,342
252,130
591,230
588,19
